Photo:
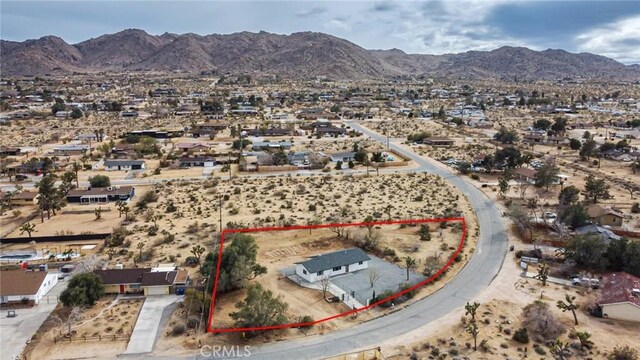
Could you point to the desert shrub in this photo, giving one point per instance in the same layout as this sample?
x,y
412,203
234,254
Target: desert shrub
x,y
475,176
385,295
540,322
388,252
148,197
623,353
191,261
192,322
178,329
635,208
521,335
117,237
539,350
305,319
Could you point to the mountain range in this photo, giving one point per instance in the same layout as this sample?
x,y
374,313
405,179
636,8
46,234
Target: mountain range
x,y
299,55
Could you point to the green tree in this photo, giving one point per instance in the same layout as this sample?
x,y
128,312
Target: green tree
x,y
595,189
588,149
360,155
575,144
574,215
506,136
508,157
339,165
569,305
632,258
49,200
67,183
503,183
546,175
615,254
238,263
100,181
569,195
83,290
541,124
587,251
28,228
559,125
76,113
260,308
75,167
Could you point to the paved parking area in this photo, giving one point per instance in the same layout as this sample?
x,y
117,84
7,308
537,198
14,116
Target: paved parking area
x,y
15,332
144,333
391,276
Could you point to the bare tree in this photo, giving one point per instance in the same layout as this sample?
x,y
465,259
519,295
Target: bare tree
x,y
374,276
70,319
324,283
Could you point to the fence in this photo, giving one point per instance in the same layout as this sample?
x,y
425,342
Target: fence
x,y
85,338
369,354
625,233
55,238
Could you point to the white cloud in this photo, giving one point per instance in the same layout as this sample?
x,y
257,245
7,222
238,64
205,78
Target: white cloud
x,y
619,40
438,27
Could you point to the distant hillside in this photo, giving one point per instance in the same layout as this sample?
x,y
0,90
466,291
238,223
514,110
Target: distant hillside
x,y
297,55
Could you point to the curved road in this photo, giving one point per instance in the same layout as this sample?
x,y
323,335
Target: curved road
x,y
474,277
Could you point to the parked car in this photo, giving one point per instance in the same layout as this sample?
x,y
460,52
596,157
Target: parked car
x,y
21,177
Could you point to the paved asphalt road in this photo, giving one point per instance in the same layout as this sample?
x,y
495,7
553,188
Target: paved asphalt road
x,y
474,277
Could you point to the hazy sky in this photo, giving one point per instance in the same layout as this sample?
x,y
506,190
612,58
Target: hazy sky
x,y
610,28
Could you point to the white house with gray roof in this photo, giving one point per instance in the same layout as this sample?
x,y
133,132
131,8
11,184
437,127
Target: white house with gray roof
x,y
332,264
116,164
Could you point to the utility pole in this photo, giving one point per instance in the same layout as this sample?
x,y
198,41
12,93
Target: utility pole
x,y
220,210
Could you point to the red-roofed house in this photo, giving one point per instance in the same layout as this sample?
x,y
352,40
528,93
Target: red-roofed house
x,y
620,297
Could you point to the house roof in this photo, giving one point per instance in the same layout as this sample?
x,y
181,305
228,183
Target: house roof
x,y
335,259
25,195
342,155
158,278
121,276
190,145
20,282
604,233
617,288
526,172
123,162
595,211
123,190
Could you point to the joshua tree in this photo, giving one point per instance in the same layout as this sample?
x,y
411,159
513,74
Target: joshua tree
x,y
569,305
584,338
98,213
111,252
197,251
121,205
471,309
140,246
543,274
559,349
409,263
28,228
474,331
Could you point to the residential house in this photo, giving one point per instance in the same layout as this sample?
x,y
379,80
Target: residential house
x,y
25,286
345,157
70,149
331,131
147,281
299,158
620,297
25,198
9,151
192,147
101,195
267,145
438,141
332,264
595,230
605,216
205,161
117,164
525,175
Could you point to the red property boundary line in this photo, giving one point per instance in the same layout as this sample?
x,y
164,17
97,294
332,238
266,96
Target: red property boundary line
x,y
322,226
